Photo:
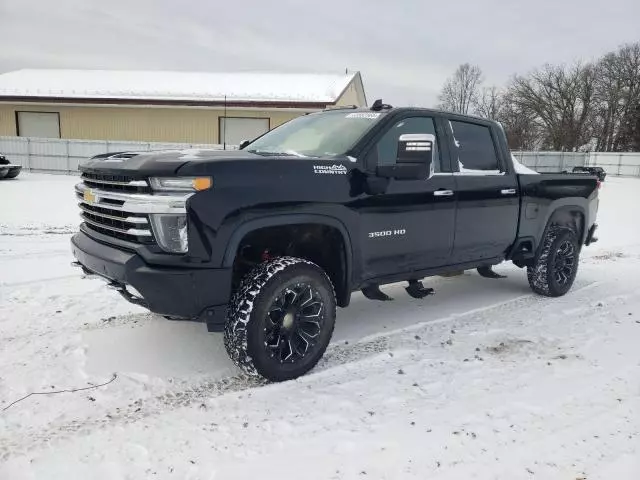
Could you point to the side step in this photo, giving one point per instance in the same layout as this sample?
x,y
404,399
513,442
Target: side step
x,y
373,292
487,272
415,289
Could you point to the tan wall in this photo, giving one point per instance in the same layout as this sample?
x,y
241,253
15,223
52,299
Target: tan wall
x,y
349,97
353,94
187,125
7,121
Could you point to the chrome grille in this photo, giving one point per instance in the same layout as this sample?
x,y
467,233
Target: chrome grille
x,y
110,217
123,214
116,183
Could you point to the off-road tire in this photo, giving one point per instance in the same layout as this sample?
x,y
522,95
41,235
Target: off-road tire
x,y
247,313
542,274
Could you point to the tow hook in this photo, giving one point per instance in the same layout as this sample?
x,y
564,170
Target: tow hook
x,y
127,295
121,288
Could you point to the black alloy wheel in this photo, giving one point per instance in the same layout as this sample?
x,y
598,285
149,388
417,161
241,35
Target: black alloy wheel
x,y
293,323
565,261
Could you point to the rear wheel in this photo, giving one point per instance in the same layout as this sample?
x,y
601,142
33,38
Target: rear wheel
x,y
555,269
281,319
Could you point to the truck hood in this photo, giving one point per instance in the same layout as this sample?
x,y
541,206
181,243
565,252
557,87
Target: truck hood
x,y
161,162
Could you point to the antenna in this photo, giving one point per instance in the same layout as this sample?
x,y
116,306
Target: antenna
x,y
224,130
378,105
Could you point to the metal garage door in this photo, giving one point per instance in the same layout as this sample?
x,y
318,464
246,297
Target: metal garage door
x,y
234,130
39,124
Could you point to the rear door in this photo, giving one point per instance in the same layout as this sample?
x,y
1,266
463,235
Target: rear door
x,y
487,191
410,226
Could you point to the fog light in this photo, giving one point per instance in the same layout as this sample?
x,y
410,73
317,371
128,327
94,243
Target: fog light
x,y
171,232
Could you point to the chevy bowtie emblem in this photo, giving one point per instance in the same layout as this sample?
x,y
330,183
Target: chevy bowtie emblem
x,y
89,196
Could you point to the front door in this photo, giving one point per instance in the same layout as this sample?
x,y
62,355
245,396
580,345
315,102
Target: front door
x,y
410,226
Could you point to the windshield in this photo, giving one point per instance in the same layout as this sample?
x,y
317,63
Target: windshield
x,y
325,134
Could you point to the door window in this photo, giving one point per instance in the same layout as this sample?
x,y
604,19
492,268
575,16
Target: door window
x,y
386,150
473,148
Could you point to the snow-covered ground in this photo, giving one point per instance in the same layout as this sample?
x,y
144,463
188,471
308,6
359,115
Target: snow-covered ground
x,y
483,380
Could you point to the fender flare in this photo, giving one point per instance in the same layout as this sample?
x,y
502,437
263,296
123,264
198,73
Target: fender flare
x,y
557,212
288,219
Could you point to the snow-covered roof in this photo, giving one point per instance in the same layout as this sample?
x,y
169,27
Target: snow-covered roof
x,y
175,86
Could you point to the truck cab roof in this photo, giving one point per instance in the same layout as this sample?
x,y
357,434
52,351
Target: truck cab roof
x,y
378,106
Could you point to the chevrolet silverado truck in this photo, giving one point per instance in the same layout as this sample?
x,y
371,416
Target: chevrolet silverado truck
x,y
264,242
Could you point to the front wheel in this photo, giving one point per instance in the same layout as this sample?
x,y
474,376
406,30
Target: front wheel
x,y
555,269
281,318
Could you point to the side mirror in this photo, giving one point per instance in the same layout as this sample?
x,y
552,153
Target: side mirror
x,y
414,160
243,144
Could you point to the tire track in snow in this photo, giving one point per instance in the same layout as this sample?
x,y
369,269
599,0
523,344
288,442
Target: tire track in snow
x,y
8,256
36,281
337,355
184,395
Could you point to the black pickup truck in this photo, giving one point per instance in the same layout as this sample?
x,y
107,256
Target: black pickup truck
x,y
265,241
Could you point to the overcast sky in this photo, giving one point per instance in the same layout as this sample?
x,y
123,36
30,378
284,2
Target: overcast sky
x,y
404,48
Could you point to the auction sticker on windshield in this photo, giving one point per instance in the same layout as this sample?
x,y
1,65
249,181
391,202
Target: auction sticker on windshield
x,y
369,115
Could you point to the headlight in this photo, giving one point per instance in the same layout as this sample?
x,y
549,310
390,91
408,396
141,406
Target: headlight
x,y
183,184
170,232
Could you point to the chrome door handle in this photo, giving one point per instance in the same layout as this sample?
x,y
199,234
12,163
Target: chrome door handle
x,y
508,191
443,193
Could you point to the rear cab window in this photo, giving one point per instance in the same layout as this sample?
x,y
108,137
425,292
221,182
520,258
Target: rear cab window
x,y
473,149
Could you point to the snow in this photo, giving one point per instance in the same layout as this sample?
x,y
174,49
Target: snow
x,y
168,85
522,169
483,380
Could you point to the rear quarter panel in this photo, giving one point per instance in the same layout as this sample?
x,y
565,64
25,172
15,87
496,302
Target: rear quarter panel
x,y
544,195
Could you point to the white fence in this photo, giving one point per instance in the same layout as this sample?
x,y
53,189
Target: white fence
x,y
55,155
626,164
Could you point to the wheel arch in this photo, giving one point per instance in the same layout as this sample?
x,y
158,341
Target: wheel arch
x,y
247,228
570,216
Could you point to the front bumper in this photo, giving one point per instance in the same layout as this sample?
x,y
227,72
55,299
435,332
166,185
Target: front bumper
x,y
190,293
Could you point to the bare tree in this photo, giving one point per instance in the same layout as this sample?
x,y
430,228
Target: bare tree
x,y
561,100
617,93
460,91
521,126
489,103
